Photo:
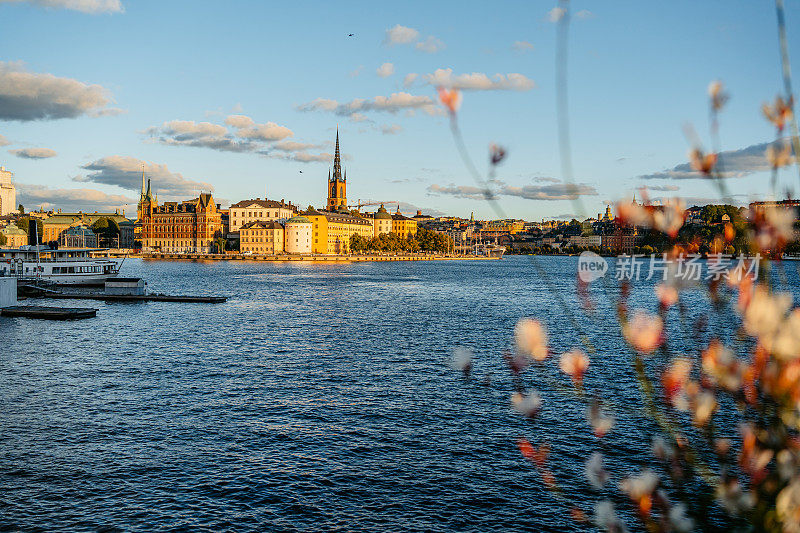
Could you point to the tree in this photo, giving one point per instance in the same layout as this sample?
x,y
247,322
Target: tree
x,y
24,223
107,231
2,239
21,209
219,244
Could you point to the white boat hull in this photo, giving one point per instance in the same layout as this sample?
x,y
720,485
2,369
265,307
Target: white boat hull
x,y
62,267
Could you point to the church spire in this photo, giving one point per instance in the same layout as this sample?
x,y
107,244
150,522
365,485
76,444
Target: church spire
x,y
337,160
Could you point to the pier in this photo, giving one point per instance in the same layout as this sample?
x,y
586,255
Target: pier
x,y
48,313
131,297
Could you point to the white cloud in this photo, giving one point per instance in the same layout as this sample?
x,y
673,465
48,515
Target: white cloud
x,y
356,71
27,96
522,46
88,200
409,79
4,141
478,81
392,129
239,121
400,35
431,45
126,173
584,14
385,70
247,135
264,132
85,6
556,14
34,153
391,104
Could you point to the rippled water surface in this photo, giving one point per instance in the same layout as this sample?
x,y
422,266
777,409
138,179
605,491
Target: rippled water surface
x,y
317,397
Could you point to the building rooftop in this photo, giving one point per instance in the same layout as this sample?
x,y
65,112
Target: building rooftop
x,y
298,220
260,224
258,202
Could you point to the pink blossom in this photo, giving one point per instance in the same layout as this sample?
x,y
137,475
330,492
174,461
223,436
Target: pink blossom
x,y
644,331
531,339
450,98
574,363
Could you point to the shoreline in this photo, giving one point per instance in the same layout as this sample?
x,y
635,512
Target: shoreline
x,y
352,258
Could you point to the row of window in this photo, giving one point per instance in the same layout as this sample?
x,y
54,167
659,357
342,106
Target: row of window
x,y
78,270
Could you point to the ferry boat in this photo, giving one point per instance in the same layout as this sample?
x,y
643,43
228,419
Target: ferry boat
x,y
490,250
63,266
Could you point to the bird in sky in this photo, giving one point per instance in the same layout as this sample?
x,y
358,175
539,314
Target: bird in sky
x,y
301,172
350,34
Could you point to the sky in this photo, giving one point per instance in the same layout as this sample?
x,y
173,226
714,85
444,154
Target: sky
x,y
243,99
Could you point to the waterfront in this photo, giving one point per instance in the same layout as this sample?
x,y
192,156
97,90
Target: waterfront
x,y
318,397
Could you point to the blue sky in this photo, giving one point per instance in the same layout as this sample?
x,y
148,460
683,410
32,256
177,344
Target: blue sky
x,y
637,72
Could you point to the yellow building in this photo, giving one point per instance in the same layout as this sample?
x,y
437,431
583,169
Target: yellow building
x,y
402,225
510,226
57,223
382,221
15,237
331,231
247,211
261,237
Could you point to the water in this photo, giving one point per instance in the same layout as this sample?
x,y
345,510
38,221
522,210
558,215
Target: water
x,y
319,397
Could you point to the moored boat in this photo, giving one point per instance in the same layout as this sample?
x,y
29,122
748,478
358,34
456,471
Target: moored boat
x,y
63,266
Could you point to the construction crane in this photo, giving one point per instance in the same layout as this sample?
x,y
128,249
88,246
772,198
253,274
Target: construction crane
x,y
361,204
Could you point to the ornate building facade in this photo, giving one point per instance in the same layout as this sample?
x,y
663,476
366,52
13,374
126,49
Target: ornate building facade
x,y
178,227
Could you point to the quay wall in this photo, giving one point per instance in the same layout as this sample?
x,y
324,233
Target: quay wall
x,y
312,258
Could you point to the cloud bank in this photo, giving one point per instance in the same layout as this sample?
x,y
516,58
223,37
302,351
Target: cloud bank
x,y
478,81
547,189
734,164
126,173
87,200
27,96
239,134
85,6
34,153
394,103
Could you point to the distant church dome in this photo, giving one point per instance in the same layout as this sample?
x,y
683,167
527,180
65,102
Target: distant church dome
x,y
383,213
298,220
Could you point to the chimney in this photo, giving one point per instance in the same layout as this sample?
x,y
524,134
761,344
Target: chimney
x,y
419,213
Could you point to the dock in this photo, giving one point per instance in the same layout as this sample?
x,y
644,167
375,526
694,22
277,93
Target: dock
x,y
48,313
133,297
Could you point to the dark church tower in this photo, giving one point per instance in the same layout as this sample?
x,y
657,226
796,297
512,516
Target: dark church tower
x,y
337,184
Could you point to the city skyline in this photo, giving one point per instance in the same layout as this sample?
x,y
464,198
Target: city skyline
x,y
203,99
